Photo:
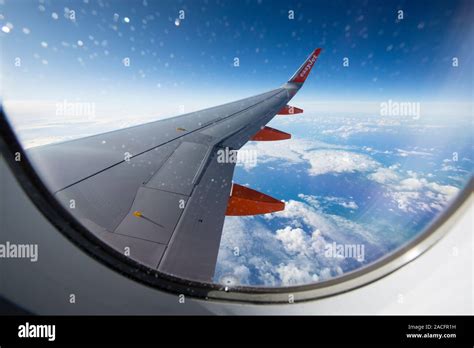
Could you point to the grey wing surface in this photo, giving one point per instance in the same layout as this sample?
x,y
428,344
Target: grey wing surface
x,y
157,191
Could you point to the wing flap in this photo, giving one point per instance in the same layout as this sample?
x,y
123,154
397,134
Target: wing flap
x,y
106,197
193,248
179,173
158,213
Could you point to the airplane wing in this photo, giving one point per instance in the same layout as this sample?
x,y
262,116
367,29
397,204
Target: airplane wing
x,y
159,192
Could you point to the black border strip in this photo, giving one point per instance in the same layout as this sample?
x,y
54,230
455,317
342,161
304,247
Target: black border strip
x,y
290,331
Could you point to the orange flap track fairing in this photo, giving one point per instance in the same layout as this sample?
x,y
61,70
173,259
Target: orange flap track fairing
x,y
270,134
245,201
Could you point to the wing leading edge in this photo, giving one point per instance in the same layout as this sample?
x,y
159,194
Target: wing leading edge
x,y
159,192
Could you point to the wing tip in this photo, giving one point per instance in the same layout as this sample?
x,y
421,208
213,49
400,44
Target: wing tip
x,y
302,73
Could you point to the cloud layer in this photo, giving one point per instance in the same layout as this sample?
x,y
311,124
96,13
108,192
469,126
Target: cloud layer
x,y
287,248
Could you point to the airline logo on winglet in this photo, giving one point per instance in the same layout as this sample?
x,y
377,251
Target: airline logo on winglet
x,y
303,72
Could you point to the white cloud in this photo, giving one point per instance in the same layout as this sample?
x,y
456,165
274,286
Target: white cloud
x,y
341,202
406,153
324,225
291,274
383,175
447,190
408,193
348,130
408,190
411,184
349,205
301,211
293,252
293,239
288,152
405,200
414,193
332,161
312,200
322,158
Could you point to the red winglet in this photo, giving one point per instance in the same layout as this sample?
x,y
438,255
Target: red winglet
x,y
289,110
245,201
270,134
303,72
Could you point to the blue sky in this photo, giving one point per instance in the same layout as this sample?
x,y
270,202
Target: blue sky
x,y
192,63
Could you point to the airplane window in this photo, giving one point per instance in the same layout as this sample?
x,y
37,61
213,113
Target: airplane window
x,y
242,151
